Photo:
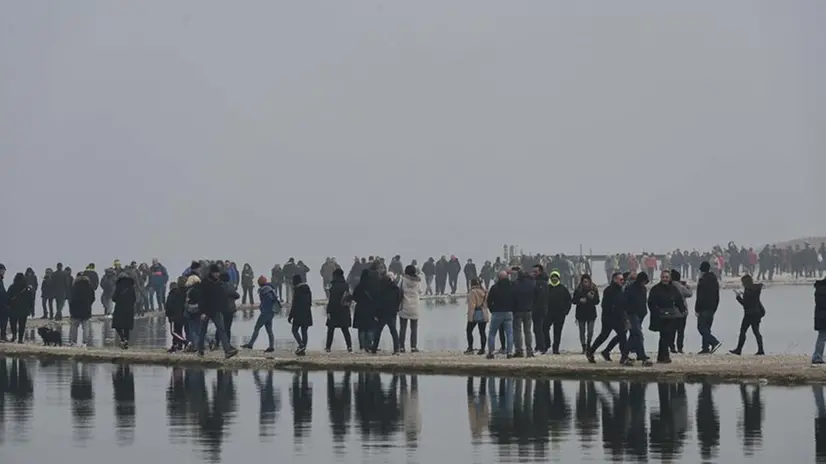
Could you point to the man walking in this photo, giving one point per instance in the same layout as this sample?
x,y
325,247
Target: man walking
x,y
708,298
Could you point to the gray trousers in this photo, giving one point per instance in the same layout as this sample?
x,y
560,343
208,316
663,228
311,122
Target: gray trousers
x,y
414,332
523,325
86,325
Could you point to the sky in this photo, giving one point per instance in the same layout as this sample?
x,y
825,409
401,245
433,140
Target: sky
x,y
259,130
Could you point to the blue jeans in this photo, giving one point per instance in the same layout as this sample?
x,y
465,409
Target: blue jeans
x,y
636,339
156,294
220,333
820,344
704,321
193,328
497,320
265,321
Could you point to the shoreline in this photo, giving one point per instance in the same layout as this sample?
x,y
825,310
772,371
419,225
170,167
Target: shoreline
x,y
725,284
772,369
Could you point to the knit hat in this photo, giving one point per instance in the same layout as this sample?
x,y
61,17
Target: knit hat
x,y
705,266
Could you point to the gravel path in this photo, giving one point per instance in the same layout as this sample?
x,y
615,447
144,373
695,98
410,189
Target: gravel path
x,y
774,369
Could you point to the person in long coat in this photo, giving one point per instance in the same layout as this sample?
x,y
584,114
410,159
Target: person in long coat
x,y
301,313
338,309
123,317
409,310
21,298
364,294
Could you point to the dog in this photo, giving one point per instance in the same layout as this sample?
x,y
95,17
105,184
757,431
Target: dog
x,y
50,336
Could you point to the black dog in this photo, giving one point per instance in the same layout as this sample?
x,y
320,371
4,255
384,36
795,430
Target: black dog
x,y
50,336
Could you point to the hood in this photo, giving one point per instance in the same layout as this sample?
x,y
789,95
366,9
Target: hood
x,y
192,280
554,273
29,271
19,279
411,278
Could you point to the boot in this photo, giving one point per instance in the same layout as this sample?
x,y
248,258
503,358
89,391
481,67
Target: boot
x,y
584,348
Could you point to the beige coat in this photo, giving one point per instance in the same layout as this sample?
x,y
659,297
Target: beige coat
x,y
477,298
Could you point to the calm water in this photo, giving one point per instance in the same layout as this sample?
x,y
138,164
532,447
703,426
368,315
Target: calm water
x,y
787,328
137,414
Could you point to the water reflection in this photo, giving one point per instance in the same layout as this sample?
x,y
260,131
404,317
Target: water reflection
x,y
508,420
123,388
83,402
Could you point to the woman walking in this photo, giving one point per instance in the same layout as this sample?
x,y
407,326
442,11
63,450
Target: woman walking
x,y
753,312
338,310
478,316
409,311
123,317
301,313
586,299
667,307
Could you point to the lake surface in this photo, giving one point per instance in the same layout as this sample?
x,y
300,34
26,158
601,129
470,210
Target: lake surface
x,y
787,328
75,412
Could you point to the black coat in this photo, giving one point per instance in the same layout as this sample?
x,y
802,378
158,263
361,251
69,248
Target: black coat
x,y
524,295
586,311
338,304
46,288
301,311
59,284
93,277
750,300
390,299
540,296
664,297
212,297
820,305
613,305
559,301
176,305
21,298
636,300
366,297
80,305
123,317
501,298
708,294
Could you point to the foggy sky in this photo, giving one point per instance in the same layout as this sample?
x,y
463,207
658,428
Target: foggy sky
x,y
259,130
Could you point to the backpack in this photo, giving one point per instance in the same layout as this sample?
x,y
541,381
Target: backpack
x,y
191,306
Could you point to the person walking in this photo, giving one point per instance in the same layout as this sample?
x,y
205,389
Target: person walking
x,y
388,308
586,299
667,306
705,306
301,313
212,303
753,312
123,317
613,319
636,308
820,321
686,293
338,310
559,305
175,309
269,305
80,309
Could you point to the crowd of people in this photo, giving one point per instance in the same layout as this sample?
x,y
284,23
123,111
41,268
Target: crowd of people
x,y
515,301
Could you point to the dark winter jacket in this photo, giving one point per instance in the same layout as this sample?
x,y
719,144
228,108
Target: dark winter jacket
x,y
158,277
454,267
820,305
338,304
559,300
390,299
20,297
31,279
107,283
750,300
125,297
301,311
231,295
586,311
524,292
636,300
212,297
59,284
83,296
46,287
613,305
366,297
269,302
247,277
540,296
4,298
94,279
661,298
429,268
176,305
501,297
708,294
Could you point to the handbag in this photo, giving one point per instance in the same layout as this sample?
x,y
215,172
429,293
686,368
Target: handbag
x,y
478,315
670,313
